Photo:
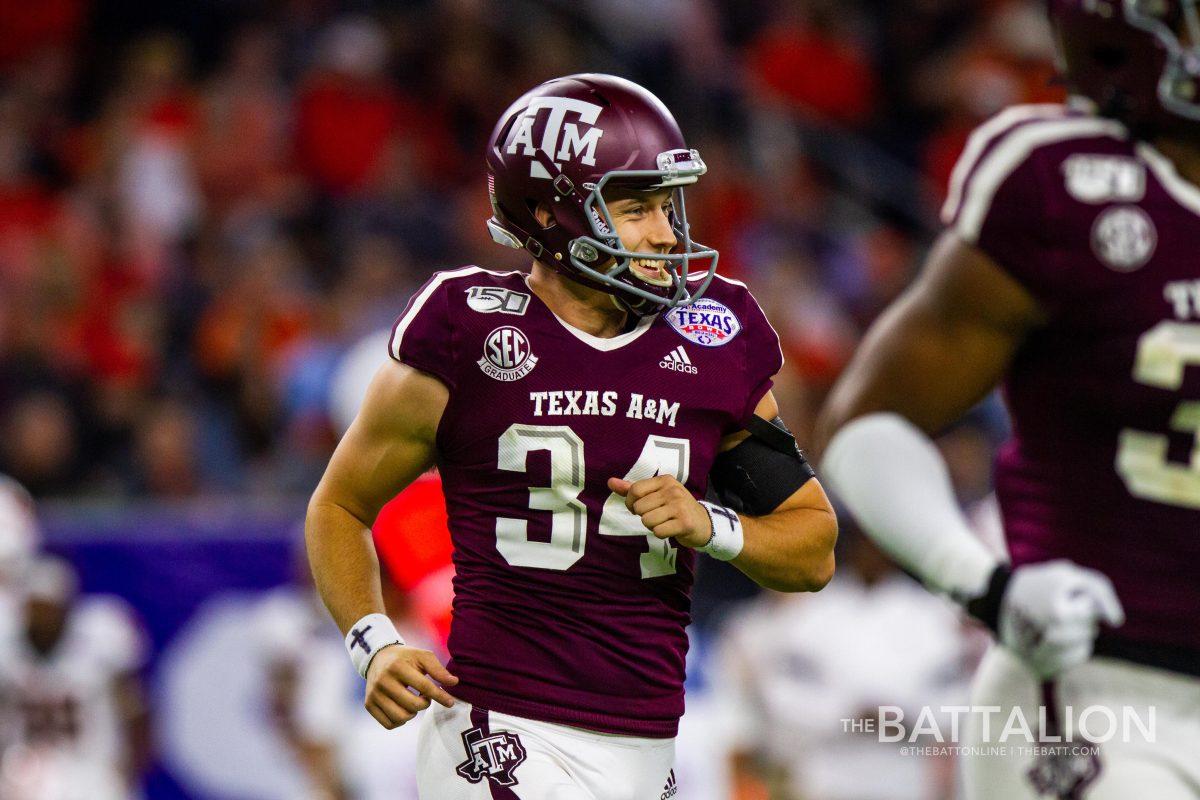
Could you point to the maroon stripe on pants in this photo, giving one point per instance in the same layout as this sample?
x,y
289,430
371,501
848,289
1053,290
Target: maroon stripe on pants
x,y
479,719
1085,776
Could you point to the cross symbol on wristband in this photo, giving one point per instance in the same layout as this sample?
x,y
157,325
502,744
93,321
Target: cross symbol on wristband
x,y
359,638
726,513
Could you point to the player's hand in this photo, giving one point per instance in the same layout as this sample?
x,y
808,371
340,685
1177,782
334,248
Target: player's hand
x,y
1050,614
666,508
396,672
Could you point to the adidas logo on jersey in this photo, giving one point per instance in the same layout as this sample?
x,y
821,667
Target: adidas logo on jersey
x,y
678,361
671,788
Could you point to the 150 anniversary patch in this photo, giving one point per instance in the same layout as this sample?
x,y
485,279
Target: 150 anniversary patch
x,y
496,299
705,322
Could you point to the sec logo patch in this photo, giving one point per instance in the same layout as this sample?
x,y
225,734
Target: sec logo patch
x,y
507,355
1124,238
705,322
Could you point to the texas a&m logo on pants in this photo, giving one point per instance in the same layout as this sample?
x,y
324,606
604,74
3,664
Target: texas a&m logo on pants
x,y
506,355
492,756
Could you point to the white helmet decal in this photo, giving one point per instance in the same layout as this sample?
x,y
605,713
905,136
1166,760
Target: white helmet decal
x,y
574,144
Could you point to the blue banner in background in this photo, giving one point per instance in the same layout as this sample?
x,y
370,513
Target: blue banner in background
x,y
168,566
216,592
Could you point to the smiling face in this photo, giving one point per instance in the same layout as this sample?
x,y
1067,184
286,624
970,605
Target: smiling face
x,y
643,221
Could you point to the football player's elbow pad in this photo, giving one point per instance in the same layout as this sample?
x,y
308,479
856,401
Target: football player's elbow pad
x,y
765,469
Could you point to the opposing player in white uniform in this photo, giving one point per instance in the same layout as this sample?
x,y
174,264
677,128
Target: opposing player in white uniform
x,y
793,668
19,539
72,717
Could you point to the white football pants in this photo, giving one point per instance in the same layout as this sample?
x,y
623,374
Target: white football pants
x,y
465,753
1128,767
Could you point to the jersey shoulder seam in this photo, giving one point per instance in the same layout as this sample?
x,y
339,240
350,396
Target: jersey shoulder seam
x,y
433,290
992,133
460,273
746,298
437,290
982,173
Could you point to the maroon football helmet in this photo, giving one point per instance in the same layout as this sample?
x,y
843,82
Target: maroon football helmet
x,y
562,144
1130,59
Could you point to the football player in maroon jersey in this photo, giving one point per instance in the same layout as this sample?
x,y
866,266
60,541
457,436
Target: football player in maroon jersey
x,y
578,416
1069,274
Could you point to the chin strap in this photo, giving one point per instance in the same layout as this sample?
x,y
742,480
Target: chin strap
x,y
637,307
632,317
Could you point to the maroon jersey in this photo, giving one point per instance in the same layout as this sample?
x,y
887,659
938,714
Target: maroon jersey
x,y
1103,466
566,608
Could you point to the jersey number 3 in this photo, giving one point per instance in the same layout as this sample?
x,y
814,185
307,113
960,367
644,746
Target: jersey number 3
x,y
1163,353
661,455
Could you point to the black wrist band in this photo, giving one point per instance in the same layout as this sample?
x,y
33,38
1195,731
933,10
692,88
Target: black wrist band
x,y
986,607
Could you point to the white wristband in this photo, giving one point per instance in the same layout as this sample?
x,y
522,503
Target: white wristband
x,y
727,539
367,637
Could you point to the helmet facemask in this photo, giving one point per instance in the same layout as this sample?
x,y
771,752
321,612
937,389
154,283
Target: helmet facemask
x,y
1136,61
589,253
1179,86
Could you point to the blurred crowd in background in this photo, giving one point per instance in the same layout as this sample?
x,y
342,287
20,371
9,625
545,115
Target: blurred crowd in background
x,y
205,207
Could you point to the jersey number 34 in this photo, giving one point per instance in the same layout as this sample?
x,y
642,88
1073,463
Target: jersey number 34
x,y
661,455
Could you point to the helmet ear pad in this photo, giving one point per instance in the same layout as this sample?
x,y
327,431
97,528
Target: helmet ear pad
x,y
544,215
546,227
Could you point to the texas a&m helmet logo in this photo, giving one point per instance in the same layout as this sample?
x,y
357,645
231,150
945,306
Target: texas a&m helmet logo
x,y
492,756
562,140
507,355
705,322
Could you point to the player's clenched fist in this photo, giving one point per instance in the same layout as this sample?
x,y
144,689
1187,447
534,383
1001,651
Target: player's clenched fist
x,y
666,508
397,672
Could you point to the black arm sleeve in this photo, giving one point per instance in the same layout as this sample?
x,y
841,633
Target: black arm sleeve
x,y
762,471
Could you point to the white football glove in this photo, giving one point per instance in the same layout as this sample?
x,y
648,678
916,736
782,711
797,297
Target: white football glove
x,y
1050,614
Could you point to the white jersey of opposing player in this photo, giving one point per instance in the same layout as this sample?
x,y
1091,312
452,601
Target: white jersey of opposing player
x,y
291,627
797,666
19,538
59,721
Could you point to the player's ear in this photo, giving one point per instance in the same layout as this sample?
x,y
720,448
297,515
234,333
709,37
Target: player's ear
x,y
544,215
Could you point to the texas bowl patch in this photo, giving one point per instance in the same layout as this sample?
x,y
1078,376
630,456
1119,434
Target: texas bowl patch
x,y
705,322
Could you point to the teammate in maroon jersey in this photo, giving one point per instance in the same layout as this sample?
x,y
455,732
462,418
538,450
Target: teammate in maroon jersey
x,y
576,415
1070,272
